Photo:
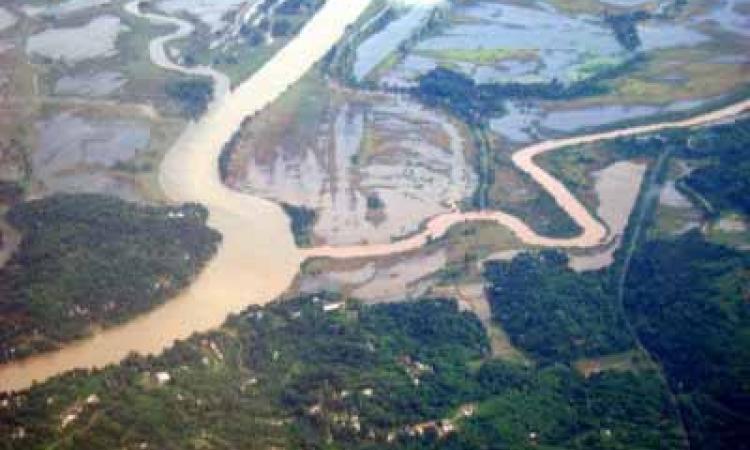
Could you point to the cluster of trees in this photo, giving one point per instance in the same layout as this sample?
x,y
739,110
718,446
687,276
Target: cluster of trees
x,y
458,93
723,175
625,27
279,27
303,220
475,102
294,376
88,259
293,7
688,301
192,95
225,157
724,179
553,313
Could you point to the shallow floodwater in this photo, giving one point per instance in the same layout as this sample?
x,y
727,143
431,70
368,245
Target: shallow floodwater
x,y
560,43
410,157
381,44
554,45
98,84
617,188
94,40
7,19
210,12
625,2
726,15
523,120
670,196
67,141
381,281
64,8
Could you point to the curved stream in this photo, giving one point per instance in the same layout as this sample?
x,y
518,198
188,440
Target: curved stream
x,y
258,258
157,49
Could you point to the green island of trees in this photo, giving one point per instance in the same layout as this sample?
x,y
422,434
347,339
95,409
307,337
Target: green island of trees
x,y
193,95
88,260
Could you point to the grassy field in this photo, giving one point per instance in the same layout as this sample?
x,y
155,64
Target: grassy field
x,y
477,56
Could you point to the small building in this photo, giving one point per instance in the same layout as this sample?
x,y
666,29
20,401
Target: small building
x,y
162,378
329,307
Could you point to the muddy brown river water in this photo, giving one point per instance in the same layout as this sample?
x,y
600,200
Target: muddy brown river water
x,y
258,258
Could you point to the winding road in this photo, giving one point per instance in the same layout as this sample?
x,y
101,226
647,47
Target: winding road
x,y
258,258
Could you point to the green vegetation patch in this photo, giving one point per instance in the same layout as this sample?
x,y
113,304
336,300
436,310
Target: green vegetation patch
x,y
482,56
89,260
688,301
193,95
553,313
300,375
303,220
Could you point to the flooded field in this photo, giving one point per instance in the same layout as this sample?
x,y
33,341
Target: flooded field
x,y
523,121
64,8
375,281
728,16
670,196
75,154
617,188
7,19
676,213
372,167
96,84
691,59
211,12
503,42
377,47
72,45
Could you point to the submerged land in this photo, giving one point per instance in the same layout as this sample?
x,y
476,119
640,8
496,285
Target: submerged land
x,y
374,224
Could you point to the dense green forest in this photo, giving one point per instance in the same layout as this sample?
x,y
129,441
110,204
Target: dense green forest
x,y
552,312
291,375
89,259
688,300
724,177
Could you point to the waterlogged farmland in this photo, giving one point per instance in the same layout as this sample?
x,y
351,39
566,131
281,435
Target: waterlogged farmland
x,y
371,167
673,61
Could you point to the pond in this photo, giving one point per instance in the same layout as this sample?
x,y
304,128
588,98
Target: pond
x,y
377,47
96,39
